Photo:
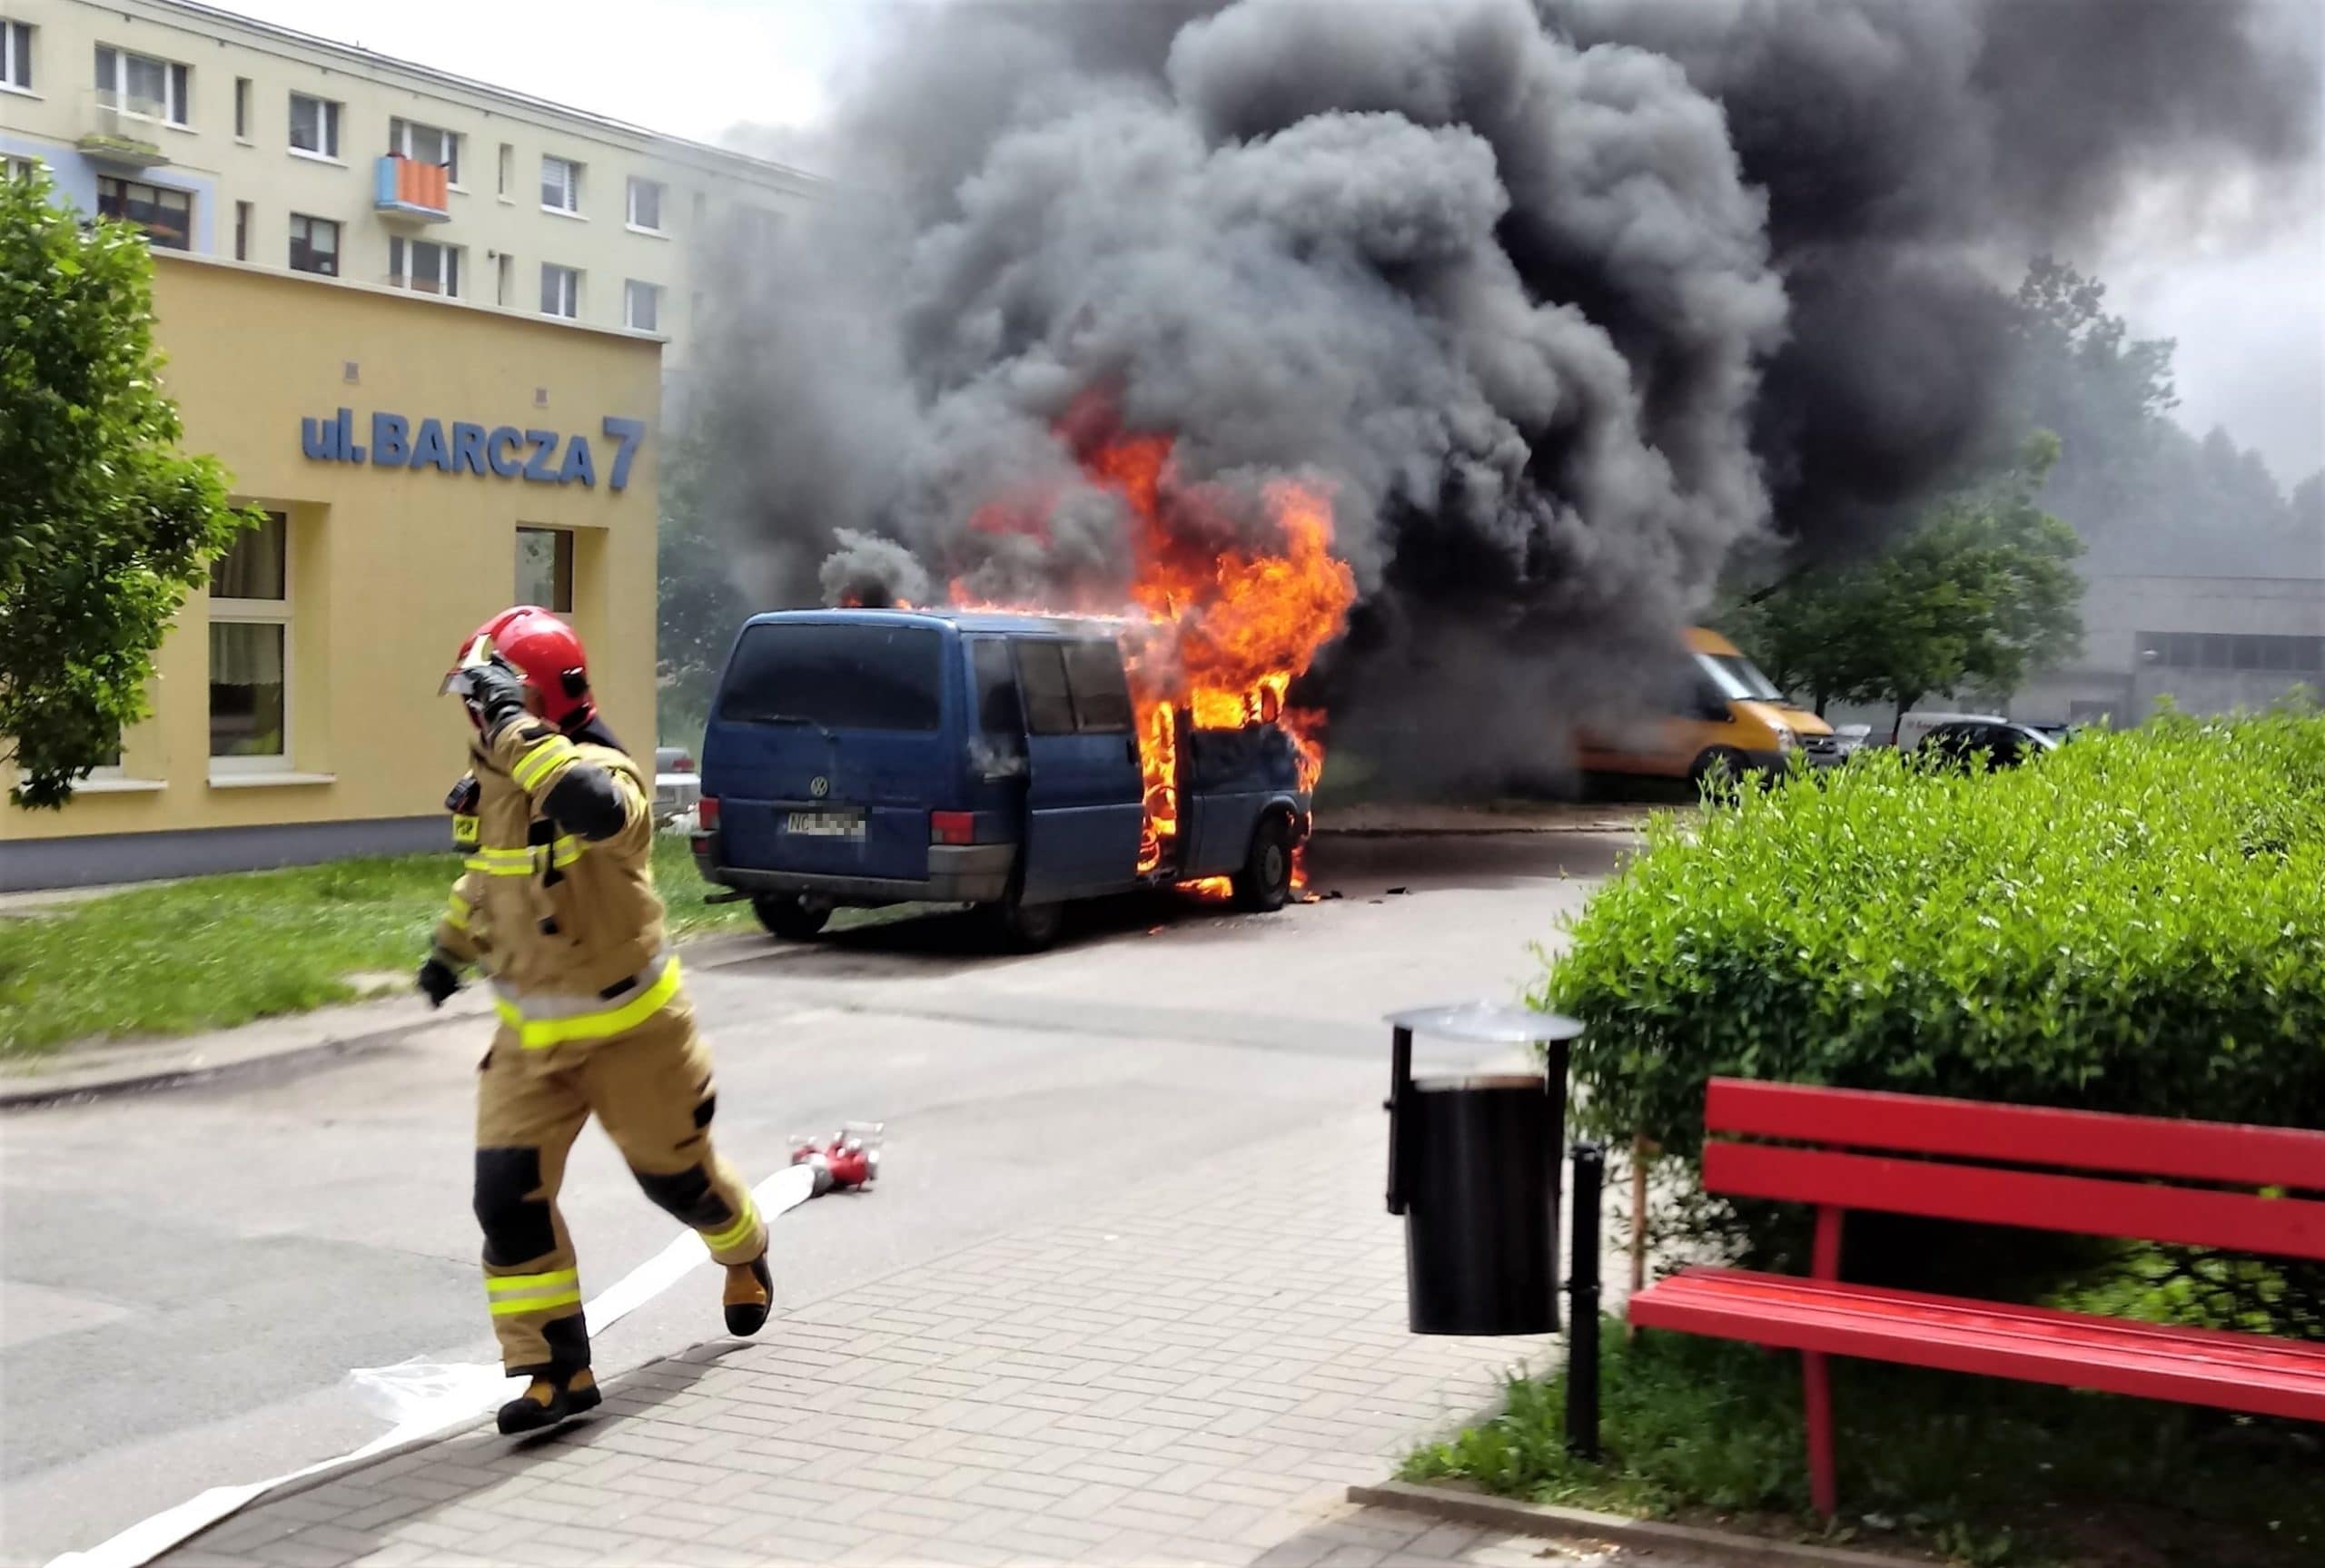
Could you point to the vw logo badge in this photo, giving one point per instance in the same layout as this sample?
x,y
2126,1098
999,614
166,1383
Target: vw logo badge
x,y
819,786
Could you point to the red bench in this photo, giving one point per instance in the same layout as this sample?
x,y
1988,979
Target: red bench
x,y
2140,1178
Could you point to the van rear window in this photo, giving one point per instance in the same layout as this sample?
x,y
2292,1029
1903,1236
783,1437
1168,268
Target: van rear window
x,y
836,676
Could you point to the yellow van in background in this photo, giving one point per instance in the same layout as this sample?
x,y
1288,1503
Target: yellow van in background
x,y
1718,708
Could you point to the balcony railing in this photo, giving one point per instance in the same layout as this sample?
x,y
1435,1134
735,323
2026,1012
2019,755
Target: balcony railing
x,y
412,191
122,128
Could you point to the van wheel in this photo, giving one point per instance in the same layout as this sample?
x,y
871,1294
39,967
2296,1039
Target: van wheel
x,y
789,916
1015,926
1719,774
1265,884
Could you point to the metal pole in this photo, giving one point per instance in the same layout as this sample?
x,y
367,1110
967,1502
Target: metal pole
x,y
1582,1291
1400,1085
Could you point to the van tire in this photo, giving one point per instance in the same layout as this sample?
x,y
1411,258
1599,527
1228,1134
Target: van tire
x,y
1015,926
1265,884
1715,759
789,916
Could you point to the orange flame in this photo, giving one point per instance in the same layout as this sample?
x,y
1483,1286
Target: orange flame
x,y
1227,628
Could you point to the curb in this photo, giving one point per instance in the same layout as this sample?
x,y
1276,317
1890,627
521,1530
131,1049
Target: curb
x,y
1517,1518
189,1060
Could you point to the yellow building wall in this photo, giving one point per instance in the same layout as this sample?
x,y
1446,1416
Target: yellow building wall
x,y
390,568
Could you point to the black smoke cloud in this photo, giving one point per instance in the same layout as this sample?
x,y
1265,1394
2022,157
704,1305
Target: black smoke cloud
x,y
1562,303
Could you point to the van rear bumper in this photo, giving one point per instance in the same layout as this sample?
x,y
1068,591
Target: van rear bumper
x,y
957,873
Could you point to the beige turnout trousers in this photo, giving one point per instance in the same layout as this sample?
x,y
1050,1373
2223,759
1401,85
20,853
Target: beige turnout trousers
x,y
650,1088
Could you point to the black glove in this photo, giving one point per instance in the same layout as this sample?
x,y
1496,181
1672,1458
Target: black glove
x,y
438,981
496,694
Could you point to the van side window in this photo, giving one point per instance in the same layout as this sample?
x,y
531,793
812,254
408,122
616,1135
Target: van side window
x,y
1041,676
1094,672
997,713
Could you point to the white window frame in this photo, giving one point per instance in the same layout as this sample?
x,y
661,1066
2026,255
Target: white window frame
x,y
177,86
401,252
570,185
569,296
630,295
330,119
16,57
271,612
401,140
21,167
662,199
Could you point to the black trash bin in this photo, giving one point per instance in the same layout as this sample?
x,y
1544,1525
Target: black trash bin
x,y
1474,1158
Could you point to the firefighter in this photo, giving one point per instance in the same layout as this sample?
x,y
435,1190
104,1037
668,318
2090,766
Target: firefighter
x,y
556,904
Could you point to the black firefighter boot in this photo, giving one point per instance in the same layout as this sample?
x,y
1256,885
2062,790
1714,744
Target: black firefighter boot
x,y
556,1394
750,1295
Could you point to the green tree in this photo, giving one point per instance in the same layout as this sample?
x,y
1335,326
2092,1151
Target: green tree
x,y
1978,594
103,524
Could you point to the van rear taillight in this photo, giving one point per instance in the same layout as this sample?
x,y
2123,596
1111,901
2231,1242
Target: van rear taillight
x,y
706,814
952,827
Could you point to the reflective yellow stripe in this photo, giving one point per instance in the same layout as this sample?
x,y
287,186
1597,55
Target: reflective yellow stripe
x,y
456,915
514,1283
502,861
566,851
541,1033
737,1234
536,764
534,1303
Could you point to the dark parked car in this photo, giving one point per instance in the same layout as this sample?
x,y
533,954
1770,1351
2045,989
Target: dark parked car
x,y
2000,743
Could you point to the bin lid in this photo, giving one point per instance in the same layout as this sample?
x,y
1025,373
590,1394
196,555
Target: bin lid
x,y
1486,1023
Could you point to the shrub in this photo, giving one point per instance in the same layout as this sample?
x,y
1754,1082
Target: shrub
x,y
2134,922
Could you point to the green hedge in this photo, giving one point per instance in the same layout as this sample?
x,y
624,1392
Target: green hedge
x,y
2133,923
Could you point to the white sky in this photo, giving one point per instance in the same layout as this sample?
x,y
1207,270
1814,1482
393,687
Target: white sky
x,y
2245,300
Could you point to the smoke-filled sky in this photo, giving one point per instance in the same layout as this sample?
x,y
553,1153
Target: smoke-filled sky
x,y
2239,290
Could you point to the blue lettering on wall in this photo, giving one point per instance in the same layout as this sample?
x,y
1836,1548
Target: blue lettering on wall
x,y
391,440
505,451
578,464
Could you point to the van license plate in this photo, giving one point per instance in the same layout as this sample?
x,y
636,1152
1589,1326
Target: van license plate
x,y
825,823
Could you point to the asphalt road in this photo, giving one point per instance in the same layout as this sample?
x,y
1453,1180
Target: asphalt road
x,y
187,1277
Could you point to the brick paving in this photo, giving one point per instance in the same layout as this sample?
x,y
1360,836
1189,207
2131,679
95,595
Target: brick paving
x,y
1193,1376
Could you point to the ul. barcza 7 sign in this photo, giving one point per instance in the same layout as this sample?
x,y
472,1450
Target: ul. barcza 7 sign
x,y
536,457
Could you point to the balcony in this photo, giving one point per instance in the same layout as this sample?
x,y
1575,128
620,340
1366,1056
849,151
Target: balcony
x,y
122,129
412,193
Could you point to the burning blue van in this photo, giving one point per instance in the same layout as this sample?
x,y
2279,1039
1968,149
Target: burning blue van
x,y
871,757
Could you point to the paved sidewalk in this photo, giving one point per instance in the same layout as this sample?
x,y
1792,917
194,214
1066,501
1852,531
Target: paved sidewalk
x,y
1194,1376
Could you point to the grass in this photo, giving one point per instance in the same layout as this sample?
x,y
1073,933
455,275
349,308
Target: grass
x,y
1963,1470
219,951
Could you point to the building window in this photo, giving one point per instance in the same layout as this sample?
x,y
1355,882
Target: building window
x,y
16,56
26,170
166,215
641,307
423,266
504,285
545,568
561,185
427,145
314,246
250,645
646,204
2232,651
241,231
314,126
507,169
142,85
561,290
242,108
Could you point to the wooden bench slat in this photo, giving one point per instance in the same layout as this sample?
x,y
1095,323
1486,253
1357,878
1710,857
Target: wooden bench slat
x,y
2248,1372
2035,1135
2080,1205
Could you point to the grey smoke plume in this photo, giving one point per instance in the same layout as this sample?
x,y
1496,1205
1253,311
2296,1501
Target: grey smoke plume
x,y
1553,301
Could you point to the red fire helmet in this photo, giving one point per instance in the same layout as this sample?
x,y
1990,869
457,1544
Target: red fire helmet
x,y
543,649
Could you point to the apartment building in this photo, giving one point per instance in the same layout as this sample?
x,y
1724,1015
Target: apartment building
x,y
240,140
